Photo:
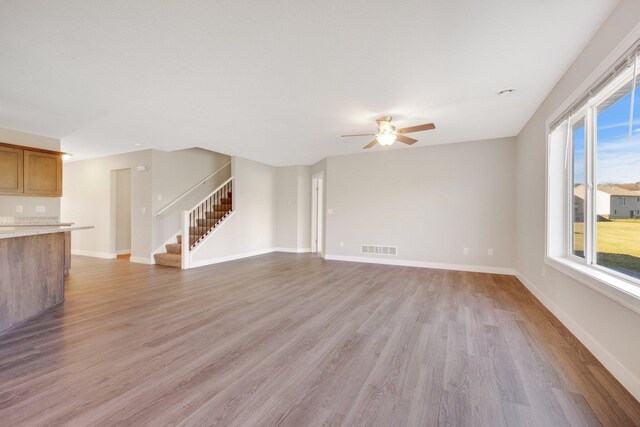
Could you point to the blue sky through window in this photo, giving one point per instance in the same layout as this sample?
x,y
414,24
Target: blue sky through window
x,y
578,155
618,160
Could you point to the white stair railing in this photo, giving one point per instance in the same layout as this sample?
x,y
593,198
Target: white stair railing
x,y
206,216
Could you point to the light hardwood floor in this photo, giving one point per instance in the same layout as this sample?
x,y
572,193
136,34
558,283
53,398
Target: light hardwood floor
x,y
284,339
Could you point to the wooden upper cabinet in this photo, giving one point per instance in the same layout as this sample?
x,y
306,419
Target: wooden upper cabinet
x,y
30,171
11,170
42,174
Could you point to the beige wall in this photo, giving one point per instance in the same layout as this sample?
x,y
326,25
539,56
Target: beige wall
x,y
430,202
252,227
293,208
607,328
174,172
88,199
304,208
8,203
123,210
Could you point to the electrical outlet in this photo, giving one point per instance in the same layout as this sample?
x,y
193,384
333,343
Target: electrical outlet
x,y
329,211
19,208
341,244
490,252
159,197
143,210
40,209
465,251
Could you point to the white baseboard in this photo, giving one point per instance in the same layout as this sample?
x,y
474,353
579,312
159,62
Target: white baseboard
x,y
123,252
142,260
293,250
617,369
230,258
93,254
424,264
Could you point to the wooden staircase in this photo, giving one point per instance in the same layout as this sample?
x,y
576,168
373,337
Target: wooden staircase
x,y
203,219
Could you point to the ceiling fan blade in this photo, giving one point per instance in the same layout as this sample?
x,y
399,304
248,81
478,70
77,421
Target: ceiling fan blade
x,y
406,139
371,144
385,119
359,134
418,128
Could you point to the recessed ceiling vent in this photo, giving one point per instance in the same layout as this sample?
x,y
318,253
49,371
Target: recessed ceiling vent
x,y
379,250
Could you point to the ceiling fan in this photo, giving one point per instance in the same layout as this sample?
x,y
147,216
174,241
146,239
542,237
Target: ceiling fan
x,y
388,134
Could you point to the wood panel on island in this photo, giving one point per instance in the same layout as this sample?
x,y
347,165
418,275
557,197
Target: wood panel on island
x,y
30,171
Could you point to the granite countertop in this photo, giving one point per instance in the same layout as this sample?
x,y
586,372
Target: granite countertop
x,y
31,221
55,224
8,232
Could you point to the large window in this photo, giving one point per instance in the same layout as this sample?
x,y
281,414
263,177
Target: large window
x,y
617,174
600,174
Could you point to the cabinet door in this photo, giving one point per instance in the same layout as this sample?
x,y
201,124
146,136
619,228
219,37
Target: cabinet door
x,y
42,174
10,170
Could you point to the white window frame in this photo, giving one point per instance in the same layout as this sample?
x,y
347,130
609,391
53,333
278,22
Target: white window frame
x,y
617,286
569,197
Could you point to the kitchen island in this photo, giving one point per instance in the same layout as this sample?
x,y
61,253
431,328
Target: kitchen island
x,y
32,269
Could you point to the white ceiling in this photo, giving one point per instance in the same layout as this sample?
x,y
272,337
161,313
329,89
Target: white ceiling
x,y
279,81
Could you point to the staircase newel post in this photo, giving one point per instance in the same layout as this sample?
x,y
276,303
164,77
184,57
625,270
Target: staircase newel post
x,y
186,240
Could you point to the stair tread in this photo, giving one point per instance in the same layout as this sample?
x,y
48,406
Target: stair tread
x,y
216,214
167,255
169,260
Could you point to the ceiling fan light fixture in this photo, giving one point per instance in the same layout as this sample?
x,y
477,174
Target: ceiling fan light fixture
x,y
388,134
386,139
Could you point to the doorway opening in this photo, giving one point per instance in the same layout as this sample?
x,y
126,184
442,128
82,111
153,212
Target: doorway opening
x,y
317,213
121,213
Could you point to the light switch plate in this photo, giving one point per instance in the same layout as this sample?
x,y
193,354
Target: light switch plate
x,y
19,208
40,209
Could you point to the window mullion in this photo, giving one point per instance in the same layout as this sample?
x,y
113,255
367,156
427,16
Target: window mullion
x,y
591,217
568,167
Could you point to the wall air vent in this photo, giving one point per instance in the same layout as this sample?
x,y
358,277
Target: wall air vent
x,y
379,250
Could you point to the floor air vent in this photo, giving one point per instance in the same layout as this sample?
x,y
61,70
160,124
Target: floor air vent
x,y
379,250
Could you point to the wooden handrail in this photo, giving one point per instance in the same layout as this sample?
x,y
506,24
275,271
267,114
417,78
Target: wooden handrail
x,y
211,194
202,181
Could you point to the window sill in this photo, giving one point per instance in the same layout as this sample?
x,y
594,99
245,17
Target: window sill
x,y
608,285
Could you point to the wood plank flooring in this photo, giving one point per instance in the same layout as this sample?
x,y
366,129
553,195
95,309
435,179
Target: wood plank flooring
x,y
286,339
